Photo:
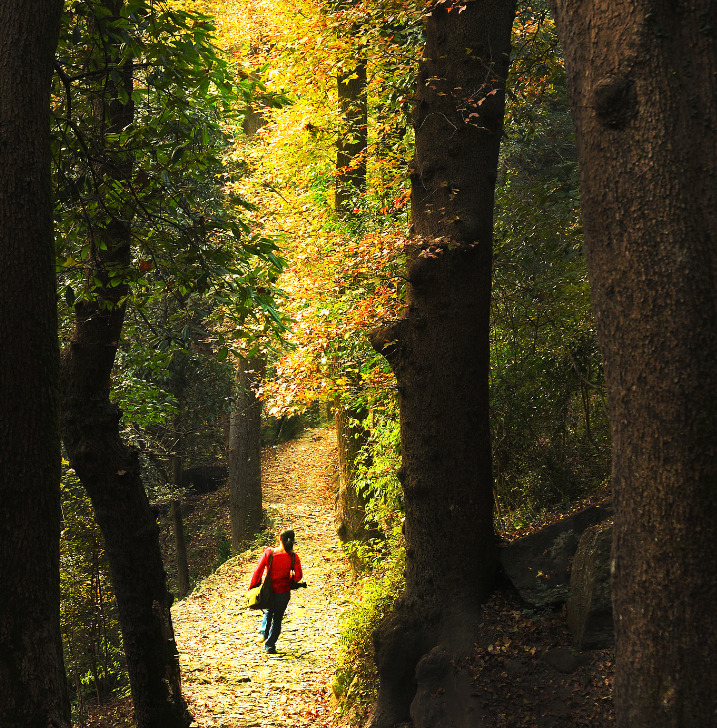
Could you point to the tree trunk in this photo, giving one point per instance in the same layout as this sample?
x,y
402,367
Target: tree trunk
x,y
245,453
180,545
351,149
33,691
350,510
439,353
642,78
353,138
109,470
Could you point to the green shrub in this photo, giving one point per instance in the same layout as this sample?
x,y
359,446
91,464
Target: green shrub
x,y
94,656
355,678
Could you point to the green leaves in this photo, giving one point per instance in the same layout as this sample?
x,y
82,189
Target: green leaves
x,y
159,174
549,427
88,610
69,296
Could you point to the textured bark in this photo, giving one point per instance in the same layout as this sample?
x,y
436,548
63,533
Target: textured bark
x,y
32,676
180,545
349,511
643,87
245,502
109,470
439,353
352,141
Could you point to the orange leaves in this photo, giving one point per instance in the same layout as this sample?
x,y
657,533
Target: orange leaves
x,y
538,67
339,282
337,294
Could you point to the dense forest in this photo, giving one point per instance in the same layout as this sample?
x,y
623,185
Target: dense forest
x,y
474,237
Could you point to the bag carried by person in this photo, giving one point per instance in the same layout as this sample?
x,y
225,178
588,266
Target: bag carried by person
x,y
262,596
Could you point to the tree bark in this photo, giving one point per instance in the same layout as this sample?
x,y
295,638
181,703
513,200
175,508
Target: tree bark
x,y
110,470
33,692
245,500
180,545
353,138
439,352
351,150
642,78
350,510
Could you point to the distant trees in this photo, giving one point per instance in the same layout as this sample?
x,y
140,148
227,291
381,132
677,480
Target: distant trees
x,y
32,677
245,496
642,78
549,425
351,144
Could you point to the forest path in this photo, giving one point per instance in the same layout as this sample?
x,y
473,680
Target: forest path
x,y
228,679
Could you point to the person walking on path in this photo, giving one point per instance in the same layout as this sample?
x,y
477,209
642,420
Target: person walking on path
x,y
285,571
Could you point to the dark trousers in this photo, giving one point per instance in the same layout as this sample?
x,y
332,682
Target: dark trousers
x,y
271,624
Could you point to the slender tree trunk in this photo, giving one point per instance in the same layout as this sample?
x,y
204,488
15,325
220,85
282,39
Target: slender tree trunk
x,y
245,500
350,510
439,352
642,77
353,137
180,545
109,470
33,692
351,150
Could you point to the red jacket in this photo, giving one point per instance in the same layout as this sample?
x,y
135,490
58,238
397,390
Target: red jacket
x,y
280,571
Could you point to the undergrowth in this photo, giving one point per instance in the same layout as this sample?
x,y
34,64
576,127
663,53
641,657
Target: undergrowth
x,y
355,679
91,639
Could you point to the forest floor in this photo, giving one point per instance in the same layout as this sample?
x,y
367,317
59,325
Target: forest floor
x,y
526,674
228,679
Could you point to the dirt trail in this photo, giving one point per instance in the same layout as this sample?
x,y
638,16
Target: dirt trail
x,y
228,680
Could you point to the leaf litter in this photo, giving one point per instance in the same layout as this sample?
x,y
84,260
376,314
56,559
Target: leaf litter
x,y
229,682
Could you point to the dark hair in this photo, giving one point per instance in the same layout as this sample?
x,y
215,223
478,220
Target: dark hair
x,y
287,538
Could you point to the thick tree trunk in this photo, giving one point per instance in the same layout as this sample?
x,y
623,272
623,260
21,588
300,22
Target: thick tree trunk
x,y
245,501
180,545
33,692
439,353
642,78
350,510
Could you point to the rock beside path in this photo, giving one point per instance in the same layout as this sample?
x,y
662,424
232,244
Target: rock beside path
x,y
537,564
589,608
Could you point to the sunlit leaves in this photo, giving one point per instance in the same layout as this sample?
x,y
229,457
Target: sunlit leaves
x,y
163,175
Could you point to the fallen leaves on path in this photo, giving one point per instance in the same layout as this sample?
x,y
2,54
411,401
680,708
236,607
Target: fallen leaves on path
x,y
228,680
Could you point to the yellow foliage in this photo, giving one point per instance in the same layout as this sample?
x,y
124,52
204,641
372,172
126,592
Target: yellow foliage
x,y
343,277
